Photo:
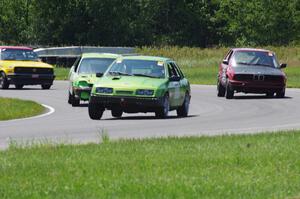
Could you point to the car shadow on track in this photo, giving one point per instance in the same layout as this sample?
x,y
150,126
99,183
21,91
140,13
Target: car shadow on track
x,y
259,97
150,117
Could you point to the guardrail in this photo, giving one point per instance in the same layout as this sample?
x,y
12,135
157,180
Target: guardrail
x,y
66,56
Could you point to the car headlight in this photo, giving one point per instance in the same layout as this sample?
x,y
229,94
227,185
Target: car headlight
x,y
104,90
145,92
10,69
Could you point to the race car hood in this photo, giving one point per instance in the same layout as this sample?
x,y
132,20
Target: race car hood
x,y
14,63
130,82
254,69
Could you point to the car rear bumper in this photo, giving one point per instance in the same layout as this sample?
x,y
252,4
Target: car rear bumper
x,y
31,79
256,87
129,104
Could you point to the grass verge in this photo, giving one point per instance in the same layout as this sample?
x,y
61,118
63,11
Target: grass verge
x,y
248,166
16,108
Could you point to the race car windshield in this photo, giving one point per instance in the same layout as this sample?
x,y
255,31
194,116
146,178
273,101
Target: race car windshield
x,y
94,65
258,58
19,55
142,68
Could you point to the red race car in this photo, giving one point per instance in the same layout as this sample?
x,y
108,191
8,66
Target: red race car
x,y
251,71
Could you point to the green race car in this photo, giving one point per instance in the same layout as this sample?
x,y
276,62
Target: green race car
x,y
135,84
85,71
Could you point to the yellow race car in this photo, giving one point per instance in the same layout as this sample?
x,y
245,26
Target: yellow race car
x,y
21,66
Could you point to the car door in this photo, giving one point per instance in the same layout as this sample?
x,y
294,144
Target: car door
x,y
174,85
183,85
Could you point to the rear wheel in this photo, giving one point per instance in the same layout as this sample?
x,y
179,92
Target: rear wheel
x,y
281,94
95,111
46,86
183,110
116,112
221,89
4,84
229,92
19,86
163,111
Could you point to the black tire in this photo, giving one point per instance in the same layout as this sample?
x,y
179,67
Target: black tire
x,y
4,84
221,89
229,92
46,86
19,86
163,111
183,110
95,111
280,94
75,102
270,94
116,113
69,98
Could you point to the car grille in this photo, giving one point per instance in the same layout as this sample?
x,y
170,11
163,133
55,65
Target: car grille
x,y
250,77
243,77
273,78
32,70
120,92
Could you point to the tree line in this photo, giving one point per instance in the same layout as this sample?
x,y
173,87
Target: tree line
x,y
201,23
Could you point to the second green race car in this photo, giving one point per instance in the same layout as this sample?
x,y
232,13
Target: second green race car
x,y
85,72
135,84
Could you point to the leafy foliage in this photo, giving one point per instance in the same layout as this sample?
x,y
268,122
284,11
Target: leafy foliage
x,y
148,22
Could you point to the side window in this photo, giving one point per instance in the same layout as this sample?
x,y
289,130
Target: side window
x,y
228,56
76,64
172,71
179,72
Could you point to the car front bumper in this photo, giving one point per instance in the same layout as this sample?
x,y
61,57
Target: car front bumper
x,y
82,93
256,87
134,104
31,79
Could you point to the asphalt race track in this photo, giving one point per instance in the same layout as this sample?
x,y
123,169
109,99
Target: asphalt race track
x,y
209,115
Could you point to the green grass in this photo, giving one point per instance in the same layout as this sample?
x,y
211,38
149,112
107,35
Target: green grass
x,y
15,108
201,65
251,166
61,73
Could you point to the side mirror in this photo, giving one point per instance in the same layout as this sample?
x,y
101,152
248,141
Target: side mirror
x,y
226,62
283,65
99,74
174,79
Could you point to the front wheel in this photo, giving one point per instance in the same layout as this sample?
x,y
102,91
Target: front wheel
x,y
163,111
183,110
19,86
116,113
46,86
95,111
73,100
270,94
221,89
4,84
281,94
229,92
